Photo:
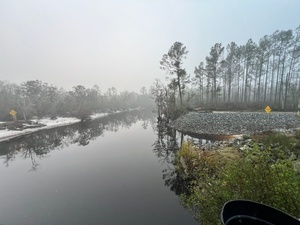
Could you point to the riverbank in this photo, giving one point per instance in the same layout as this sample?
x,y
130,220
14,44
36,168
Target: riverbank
x,y
234,123
47,123
268,162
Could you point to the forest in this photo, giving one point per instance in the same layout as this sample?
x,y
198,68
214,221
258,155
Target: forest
x,y
36,98
244,77
232,77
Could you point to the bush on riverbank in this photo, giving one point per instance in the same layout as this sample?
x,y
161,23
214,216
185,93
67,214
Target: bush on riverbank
x,y
266,173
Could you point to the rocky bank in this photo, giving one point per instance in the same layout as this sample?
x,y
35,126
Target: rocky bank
x,y
234,123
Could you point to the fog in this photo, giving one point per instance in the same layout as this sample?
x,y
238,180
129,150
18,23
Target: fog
x,y
119,43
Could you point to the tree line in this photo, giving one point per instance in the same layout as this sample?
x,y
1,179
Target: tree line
x,y
40,99
234,76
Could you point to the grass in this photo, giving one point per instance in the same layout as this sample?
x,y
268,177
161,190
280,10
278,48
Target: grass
x,y
267,172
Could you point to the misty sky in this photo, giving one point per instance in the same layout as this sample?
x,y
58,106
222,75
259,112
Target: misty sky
x,y
120,42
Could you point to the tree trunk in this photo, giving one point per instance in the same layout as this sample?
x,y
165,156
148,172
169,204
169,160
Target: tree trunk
x,y
246,84
259,77
287,81
179,88
266,80
277,81
229,87
281,82
272,82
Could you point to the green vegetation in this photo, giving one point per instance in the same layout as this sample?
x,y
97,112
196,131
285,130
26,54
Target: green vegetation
x,y
268,171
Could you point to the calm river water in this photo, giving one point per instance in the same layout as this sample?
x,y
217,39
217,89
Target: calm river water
x,y
111,171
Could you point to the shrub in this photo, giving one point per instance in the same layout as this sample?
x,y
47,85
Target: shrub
x,y
255,175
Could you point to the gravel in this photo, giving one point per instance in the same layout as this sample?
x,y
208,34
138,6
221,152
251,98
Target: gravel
x,y
235,123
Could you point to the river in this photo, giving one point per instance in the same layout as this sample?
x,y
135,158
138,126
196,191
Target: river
x,y
111,171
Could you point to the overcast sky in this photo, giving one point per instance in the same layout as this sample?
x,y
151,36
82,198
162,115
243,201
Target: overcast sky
x,y
119,43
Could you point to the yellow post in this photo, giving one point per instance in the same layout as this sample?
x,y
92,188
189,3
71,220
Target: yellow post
x,y
13,113
268,110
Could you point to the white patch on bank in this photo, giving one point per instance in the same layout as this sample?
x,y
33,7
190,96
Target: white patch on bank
x,y
49,123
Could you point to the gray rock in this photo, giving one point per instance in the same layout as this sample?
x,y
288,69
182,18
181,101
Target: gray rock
x,y
235,123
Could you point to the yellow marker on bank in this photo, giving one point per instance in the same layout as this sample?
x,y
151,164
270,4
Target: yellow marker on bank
x,y
13,113
268,109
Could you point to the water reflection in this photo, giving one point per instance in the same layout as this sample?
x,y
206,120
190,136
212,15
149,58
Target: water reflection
x,y
168,142
37,145
117,174
165,147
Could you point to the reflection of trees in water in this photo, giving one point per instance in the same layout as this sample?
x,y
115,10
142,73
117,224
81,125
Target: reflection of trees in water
x,y
166,143
165,147
38,145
